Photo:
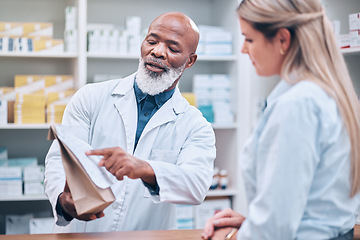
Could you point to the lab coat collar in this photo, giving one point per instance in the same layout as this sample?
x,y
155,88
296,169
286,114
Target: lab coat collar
x,y
281,88
125,85
278,90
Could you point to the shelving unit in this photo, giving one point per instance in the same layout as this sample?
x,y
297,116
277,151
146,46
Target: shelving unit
x,y
30,140
340,10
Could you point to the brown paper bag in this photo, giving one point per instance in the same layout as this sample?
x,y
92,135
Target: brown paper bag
x,y
88,198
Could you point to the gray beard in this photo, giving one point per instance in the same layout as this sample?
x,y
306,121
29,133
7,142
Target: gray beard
x,y
154,83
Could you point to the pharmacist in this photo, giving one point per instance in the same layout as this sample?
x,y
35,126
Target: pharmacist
x,y
159,147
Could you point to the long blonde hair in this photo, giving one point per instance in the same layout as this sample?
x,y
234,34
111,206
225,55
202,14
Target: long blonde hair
x,y
314,55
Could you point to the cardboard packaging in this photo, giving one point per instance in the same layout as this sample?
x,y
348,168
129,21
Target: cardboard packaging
x,y
87,196
48,46
11,29
38,29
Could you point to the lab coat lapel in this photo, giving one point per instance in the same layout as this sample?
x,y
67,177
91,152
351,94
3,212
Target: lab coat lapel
x,y
125,103
167,113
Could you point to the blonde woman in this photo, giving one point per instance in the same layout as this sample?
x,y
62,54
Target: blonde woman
x,y
301,166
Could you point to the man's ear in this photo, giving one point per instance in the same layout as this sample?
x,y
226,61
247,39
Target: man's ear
x,y
284,36
192,60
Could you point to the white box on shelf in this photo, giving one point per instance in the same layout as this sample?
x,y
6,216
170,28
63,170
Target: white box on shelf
x,y
122,44
11,188
22,162
41,225
134,44
355,38
202,81
208,208
70,40
104,40
220,94
113,40
133,25
10,173
218,37
70,18
218,49
343,40
33,173
220,81
33,188
184,216
3,112
354,21
18,224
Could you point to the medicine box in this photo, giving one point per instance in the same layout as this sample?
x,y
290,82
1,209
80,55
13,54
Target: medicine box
x,y
354,21
33,173
22,162
34,188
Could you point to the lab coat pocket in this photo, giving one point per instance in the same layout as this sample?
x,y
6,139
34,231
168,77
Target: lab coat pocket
x,y
169,156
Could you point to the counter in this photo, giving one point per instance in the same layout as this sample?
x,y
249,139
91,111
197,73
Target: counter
x,y
134,235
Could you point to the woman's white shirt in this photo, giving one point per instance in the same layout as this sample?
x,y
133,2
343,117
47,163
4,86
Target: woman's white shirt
x,y
296,168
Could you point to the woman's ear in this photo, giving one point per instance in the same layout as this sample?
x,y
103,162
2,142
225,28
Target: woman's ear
x,y
285,39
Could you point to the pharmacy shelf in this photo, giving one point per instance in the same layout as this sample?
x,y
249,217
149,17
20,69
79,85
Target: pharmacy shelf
x,y
40,55
217,58
218,126
23,198
112,56
136,57
351,51
222,193
25,126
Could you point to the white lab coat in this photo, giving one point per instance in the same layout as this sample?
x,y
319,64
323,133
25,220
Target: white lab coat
x,y
178,143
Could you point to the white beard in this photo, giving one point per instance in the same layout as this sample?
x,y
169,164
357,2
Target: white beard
x,y
154,83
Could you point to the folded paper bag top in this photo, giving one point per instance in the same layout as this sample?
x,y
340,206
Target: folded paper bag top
x,y
89,184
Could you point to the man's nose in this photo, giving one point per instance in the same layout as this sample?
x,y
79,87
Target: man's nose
x,y
159,51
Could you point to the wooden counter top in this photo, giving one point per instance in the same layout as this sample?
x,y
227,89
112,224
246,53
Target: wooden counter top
x,y
133,235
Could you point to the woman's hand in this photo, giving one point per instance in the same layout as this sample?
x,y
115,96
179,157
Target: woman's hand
x,y
227,218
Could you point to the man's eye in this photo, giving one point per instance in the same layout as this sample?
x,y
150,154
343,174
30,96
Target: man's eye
x,y
249,40
151,42
173,50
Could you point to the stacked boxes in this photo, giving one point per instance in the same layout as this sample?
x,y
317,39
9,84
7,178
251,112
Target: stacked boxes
x,y
35,93
29,37
214,41
29,108
108,38
184,217
213,97
55,109
352,39
354,25
15,172
10,181
33,180
71,32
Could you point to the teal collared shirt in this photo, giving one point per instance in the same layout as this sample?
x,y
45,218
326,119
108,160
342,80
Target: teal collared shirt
x,y
147,107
